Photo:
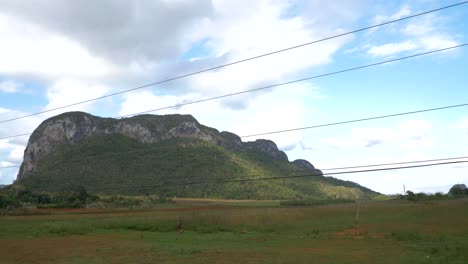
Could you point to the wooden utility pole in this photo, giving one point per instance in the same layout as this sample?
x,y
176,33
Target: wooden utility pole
x,y
357,218
357,213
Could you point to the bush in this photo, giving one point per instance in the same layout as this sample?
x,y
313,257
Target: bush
x,y
414,197
18,195
8,202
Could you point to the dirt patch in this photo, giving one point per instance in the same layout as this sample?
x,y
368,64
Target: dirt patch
x,y
357,233
81,249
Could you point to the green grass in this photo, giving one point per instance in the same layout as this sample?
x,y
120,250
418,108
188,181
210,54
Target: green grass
x,y
388,232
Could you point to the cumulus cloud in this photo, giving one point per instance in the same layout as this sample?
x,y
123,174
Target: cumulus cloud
x,y
75,41
11,150
409,134
145,100
120,31
421,34
392,48
9,87
16,154
426,43
80,50
405,10
266,114
19,126
27,49
69,91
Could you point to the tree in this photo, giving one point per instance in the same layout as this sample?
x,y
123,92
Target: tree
x,y
458,190
411,196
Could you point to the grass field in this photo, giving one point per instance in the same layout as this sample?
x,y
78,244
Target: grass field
x,y
241,232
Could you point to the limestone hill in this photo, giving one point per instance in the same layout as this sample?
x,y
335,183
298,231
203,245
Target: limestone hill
x,y
169,155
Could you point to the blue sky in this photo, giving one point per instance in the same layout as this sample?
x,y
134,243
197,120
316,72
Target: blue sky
x,y
51,57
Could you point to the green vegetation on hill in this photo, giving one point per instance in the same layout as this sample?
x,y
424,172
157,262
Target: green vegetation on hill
x,y
163,168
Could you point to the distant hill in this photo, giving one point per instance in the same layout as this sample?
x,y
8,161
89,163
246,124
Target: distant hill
x,y
2,186
166,155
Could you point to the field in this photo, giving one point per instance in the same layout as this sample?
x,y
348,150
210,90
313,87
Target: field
x,y
241,232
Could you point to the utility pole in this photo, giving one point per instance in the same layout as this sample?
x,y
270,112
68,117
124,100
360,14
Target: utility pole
x,y
404,189
357,217
357,213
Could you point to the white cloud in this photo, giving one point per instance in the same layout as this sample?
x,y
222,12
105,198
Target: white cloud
x,y
464,124
238,31
26,49
414,128
9,87
422,44
79,54
437,42
275,110
422,34
69,91
424,26
12,150
403,12
392,48
20,126
120,31
16,154
409,134
145,100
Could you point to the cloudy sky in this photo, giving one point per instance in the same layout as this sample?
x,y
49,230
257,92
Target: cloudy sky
x,y
54,53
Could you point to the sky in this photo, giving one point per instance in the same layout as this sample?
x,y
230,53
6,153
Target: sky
x,y
55,53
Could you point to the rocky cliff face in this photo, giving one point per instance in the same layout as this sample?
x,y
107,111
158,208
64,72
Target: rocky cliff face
x,y
73,127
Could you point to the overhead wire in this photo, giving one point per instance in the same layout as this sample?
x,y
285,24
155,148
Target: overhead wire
x,y
301,80
298,80
238,61
318,76
356,120
308,175
113,154
11,166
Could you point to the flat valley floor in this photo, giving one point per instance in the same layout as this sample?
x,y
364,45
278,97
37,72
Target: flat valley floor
x,y
217,231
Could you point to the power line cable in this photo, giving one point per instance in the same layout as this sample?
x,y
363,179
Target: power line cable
x,y
338,168
393,163
275,178
357,120
236,62
20,135
296,81
113,154
11,166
